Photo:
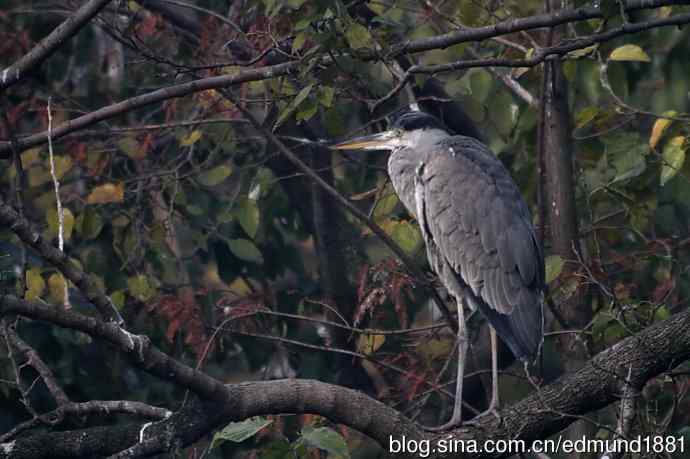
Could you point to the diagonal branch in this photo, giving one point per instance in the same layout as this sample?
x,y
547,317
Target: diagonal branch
x,y
159,95
51,43
340,199
32,238
424,44
32,359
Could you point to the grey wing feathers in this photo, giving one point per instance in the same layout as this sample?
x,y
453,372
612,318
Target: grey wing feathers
x,y
478,219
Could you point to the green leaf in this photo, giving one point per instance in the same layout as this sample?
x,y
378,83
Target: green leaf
x,y
325,439
245,249
307,110
130,146
89,223
140,288
570,70
481,83
63,164
30,157
325,96
191,139
238,432
674,157
302,24
585,116
626,152
295,4
216,175
407,236
387,202
247,213
34,284
278,449
118,299
53,222
504,119
261,184
582,52
470,13
614,332
298,42
56,287
357,36
108,192
661,313
292,106
629,53
659,127
368,344
554,266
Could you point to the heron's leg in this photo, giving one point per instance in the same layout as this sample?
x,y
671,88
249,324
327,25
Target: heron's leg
x,y
493,405
456,418
462,353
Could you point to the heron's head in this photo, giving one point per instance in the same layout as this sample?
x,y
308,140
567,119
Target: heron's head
x,y
409,130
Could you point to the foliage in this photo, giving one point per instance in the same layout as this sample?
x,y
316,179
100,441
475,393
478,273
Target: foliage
x,y
207,239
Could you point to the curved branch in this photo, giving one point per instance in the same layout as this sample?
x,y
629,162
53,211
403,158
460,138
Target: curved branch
x,y
601,381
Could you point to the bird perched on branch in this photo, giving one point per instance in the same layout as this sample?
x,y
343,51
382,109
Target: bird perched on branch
x,y
478,231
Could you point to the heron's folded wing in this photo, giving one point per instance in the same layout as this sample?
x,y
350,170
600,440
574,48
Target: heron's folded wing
x,y
477,217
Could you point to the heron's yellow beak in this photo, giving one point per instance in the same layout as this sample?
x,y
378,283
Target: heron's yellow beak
x,y
379,141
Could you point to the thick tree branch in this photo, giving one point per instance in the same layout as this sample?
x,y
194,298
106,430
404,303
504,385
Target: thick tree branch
x,y
556,147
601,381
92,407
138,348
51,43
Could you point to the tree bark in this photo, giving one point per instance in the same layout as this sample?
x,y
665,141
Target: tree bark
x,y
599,382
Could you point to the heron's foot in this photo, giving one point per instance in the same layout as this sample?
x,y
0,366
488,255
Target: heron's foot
x,y
442,428
491,411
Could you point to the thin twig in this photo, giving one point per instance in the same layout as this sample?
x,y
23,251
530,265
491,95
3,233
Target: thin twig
x,y
58,201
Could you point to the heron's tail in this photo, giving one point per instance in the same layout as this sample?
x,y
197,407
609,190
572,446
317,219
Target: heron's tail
x,y
523,328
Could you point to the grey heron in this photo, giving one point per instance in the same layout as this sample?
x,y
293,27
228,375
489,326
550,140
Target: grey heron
x,y
478,232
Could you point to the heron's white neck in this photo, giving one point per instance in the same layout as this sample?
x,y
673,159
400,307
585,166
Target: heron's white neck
x,y
422,139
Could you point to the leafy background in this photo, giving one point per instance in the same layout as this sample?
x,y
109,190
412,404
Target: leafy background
x,y
203,236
